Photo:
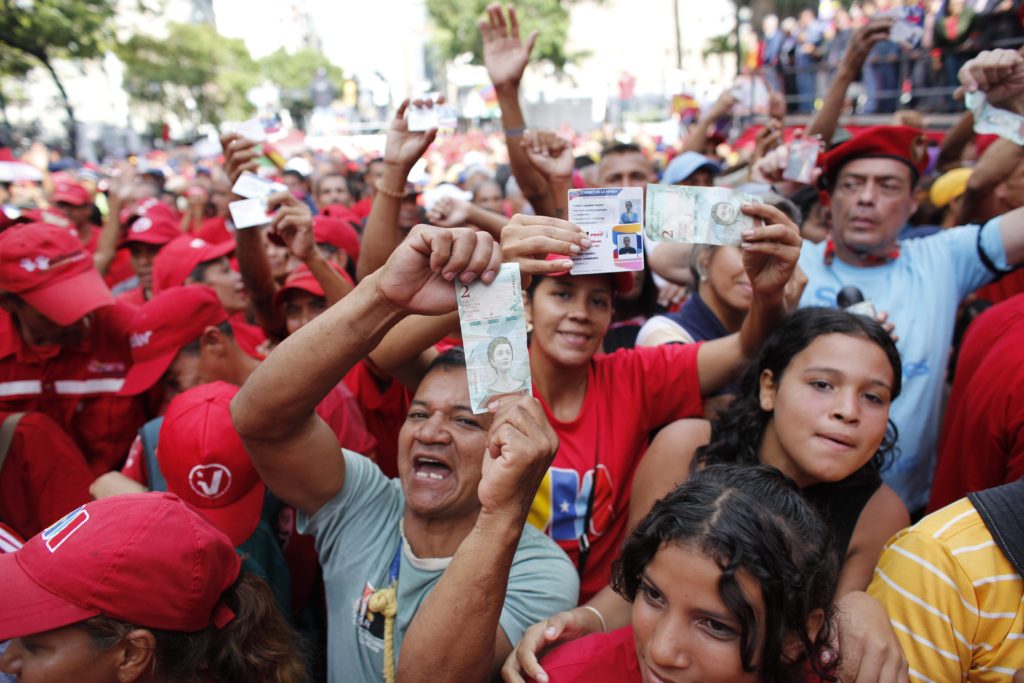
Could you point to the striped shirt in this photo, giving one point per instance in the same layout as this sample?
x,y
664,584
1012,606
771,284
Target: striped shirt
x,y
953,598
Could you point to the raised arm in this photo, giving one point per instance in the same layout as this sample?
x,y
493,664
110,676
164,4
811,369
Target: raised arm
x,y
470,595
293,225
402,150
551,155
952,149
240,155
1000,75
699,134
406,351
863,39
770,254
506,57
294,451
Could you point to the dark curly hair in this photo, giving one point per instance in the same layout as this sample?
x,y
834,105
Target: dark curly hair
x,y
737,431
752,520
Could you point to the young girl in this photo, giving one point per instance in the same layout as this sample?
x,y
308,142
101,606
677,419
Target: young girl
x,y
139,588
731,579
815,405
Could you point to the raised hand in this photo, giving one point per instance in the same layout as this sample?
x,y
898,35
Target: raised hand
x,y
449,212
520,447
239,155
530,239
418,275
524,660
722,106
505,55
770,252
997,73
293,225
550,153
403,148
861,42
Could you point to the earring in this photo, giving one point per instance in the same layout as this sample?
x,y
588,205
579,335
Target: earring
x,y
529,328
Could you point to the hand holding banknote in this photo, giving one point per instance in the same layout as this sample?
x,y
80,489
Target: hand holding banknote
x,y
418,276
770,252
999,74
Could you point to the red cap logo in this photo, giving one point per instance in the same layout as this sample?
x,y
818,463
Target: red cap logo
x,y
210,481
142,225
64,528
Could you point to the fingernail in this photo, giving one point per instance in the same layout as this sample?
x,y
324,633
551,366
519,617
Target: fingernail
x,y
550,631
586,243
745,245
567,264
748,234
542,678
468,277
449,276
574,249
488,276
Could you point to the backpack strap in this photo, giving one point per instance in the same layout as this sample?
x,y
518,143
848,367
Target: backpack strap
x,y
1000,509
7,430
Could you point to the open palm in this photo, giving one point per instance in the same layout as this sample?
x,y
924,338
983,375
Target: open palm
x,y
505,54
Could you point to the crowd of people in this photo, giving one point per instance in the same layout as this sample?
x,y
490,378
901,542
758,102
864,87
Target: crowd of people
x,y
800,55
250,454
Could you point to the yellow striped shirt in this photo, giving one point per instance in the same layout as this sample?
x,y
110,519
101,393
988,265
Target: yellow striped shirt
x,y
953,598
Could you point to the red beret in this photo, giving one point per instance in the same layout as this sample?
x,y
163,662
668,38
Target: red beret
x,y
902,143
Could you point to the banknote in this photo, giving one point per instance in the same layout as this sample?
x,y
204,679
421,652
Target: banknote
x,y
493,323
697,215
993,120
803,157
611,217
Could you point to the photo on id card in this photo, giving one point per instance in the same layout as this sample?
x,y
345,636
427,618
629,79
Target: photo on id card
x,y
493,324
612,219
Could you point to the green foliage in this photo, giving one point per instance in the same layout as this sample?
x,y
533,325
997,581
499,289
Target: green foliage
x,y
48,29
457,25
193,63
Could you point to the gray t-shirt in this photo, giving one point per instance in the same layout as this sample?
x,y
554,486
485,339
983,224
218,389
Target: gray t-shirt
x,y
357,536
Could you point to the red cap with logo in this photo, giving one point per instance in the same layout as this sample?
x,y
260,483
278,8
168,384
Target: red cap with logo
x,y
148,559
338,233
341,212
156,224
164,325
46,266
181,256
302,279
902,143
203,460
68,192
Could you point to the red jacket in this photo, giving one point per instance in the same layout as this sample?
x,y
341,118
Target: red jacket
x,y
77,386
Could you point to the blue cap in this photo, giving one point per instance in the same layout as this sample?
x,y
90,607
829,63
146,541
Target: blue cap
x,y
685,165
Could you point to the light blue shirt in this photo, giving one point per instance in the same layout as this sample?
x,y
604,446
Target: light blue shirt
x,y
357,537
920,291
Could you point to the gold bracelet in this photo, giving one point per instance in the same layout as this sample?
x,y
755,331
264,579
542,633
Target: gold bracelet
x,y
600,617
388,193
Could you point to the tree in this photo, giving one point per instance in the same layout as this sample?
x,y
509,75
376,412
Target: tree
x,y
194,70
294,75
457,25
46,30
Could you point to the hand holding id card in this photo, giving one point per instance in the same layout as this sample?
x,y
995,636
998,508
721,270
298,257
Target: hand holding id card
x,y
493,323
611,217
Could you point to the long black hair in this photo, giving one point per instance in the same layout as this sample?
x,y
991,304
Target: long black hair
x,y
737,431
752,520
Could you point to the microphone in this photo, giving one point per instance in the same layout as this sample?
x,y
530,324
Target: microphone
x,y
848,296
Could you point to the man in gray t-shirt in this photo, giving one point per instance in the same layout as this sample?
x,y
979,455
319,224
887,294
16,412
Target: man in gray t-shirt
x,y
449,532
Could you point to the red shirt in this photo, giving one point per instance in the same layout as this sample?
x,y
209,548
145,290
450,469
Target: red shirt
x,y
44,477
385,405
77,385
982,440
362,207
120,268
1003,288
629,393
341,412
597,658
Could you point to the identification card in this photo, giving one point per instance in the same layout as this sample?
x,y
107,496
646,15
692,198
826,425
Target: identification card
x,y
248,213
427,118
612,219
803,157
251,186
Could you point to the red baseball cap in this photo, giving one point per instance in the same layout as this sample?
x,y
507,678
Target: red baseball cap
x,y
622,280
148,559
157,224
181,256
902,143
338,233
68,192
341,212
203,460
46,266
163,326
302,279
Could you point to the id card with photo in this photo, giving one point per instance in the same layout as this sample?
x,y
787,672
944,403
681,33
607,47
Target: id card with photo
x,y
248,213
613,220
493,323
251,186
803,158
